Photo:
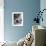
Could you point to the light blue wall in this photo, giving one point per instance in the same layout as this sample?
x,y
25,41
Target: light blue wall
x,y
28,7
43,6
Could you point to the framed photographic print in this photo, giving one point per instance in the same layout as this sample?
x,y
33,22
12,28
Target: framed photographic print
x,y
17,18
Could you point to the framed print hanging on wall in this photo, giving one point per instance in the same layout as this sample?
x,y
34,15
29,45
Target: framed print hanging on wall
x,y
17,18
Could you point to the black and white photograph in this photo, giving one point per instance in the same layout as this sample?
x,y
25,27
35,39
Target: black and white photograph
x,y
17,18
